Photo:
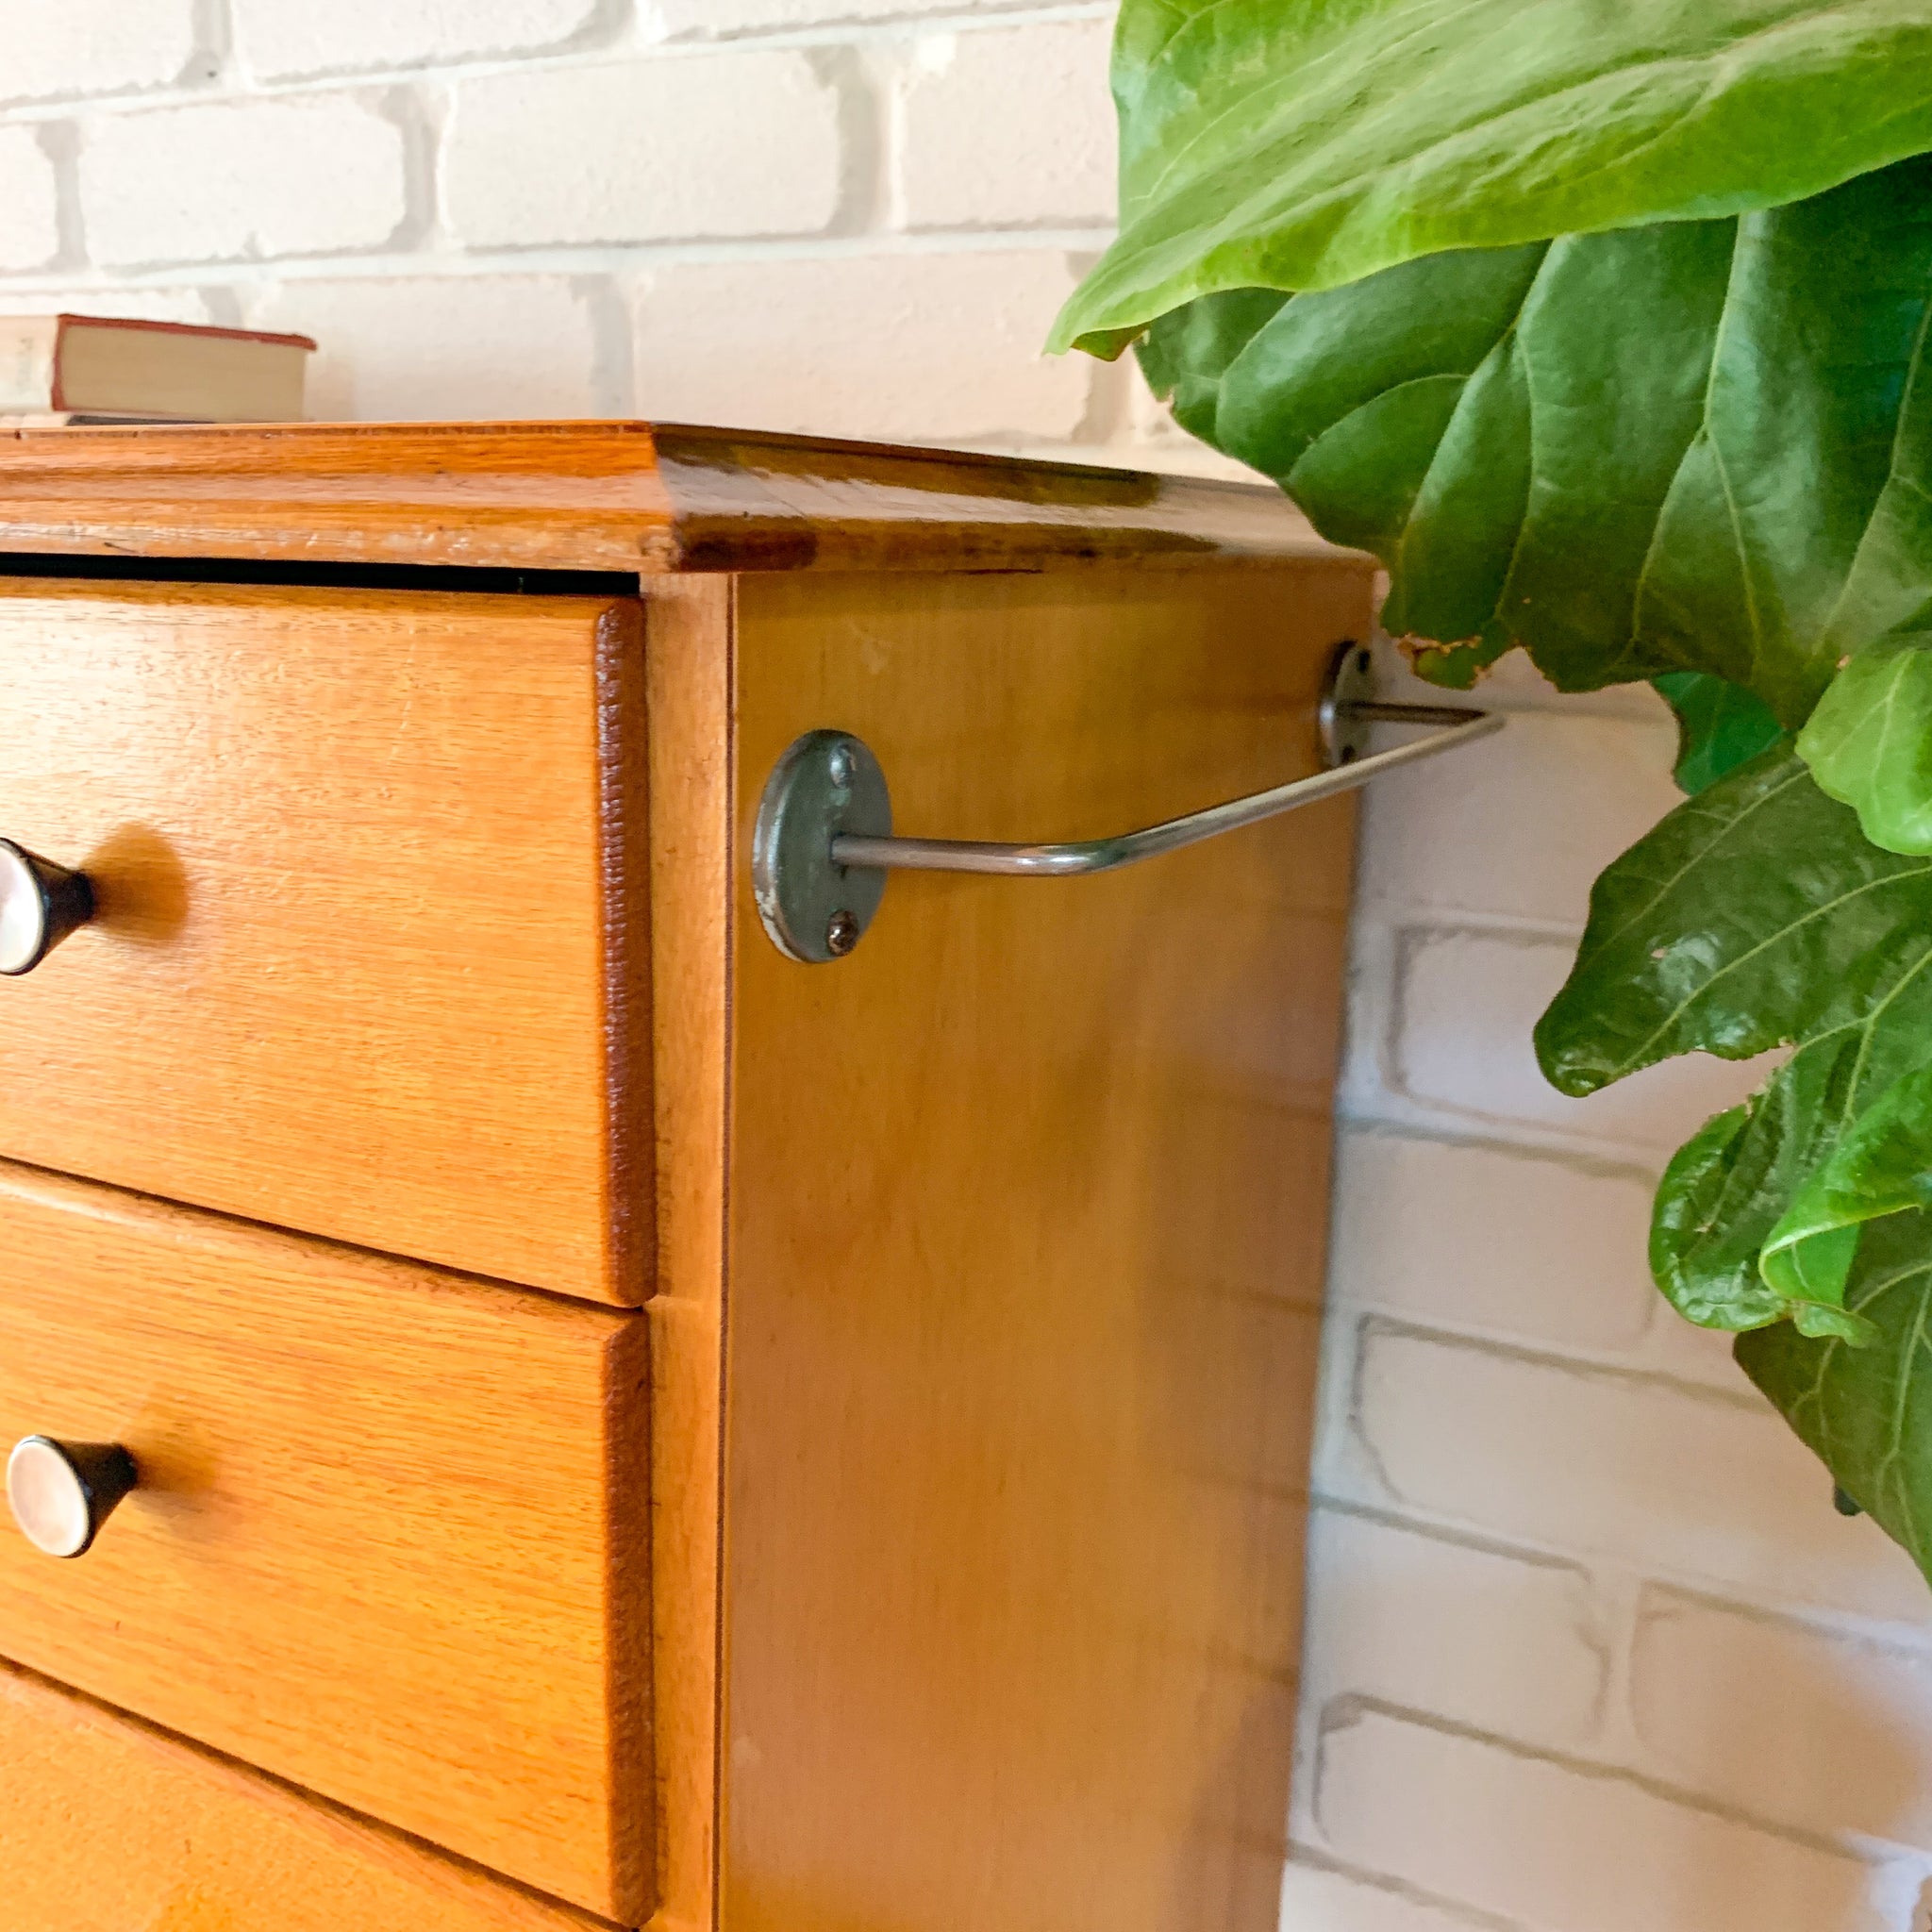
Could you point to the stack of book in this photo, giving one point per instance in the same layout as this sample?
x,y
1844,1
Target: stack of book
x,y
62,369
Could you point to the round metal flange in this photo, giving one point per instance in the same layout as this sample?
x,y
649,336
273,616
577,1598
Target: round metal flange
x,y
1351,683
828,783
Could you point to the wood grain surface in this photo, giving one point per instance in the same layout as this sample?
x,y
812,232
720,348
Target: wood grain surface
x,y
689,638
1026,1202
106,1825
357,856
613,496
386,1542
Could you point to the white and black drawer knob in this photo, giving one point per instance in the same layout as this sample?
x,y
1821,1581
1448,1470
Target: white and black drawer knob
x,y
61,1492
41,903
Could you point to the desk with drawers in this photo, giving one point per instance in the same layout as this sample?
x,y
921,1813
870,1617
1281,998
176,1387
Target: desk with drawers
x,y
626,1427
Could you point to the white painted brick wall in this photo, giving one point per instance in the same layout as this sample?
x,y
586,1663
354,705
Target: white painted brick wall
x,y
1315,1899
1474,1235
395,347
30,201
1508,1641
1565,1847
59,49
1051,165
644,151
1615,1463
1532,868
881,345
1848,1736
307,175
1589,1651
279,41
707,19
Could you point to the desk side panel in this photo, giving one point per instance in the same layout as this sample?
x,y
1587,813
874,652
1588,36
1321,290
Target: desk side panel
x,y
1026,1224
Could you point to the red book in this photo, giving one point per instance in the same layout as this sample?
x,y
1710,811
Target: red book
x,y
93,368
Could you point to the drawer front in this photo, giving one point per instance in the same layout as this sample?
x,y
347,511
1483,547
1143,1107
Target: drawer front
x,y
108,1826
353,854
376,1546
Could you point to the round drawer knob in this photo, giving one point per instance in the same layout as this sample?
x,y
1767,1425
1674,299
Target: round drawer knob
x,y
41,903
61,1492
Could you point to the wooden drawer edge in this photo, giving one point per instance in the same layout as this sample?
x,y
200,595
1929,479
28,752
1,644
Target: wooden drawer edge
x,y
232,1829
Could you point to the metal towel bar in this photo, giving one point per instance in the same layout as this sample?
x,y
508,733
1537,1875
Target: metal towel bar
x,y
824,839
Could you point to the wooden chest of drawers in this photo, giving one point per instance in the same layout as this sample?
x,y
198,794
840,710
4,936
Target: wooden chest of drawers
x,y
629,1426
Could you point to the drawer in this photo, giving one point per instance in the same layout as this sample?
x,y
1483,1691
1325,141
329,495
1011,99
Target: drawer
x,y
376,1545
353,854
108,1826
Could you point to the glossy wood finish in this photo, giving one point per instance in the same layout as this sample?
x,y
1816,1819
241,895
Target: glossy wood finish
x,y
688,633
1025,1204
368,961
387,1541
961,1588
611,496
106,1825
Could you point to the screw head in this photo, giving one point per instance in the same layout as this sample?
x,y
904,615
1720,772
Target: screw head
x,y
841,933
839,766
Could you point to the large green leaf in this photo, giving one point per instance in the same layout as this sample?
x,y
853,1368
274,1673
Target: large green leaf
x,y
1880,1165
1306,144
1700,446
1604,326
1756,915
1718,726
1867,1411
1869,740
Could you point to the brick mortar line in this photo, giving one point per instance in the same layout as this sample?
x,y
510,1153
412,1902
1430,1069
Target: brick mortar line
x,y
1391,1109
236,86
1590,1166
1856,1846
1913,1640
1495,1542
1317,1860
1398,914
614,259
1404,1327
1638,1359
898,27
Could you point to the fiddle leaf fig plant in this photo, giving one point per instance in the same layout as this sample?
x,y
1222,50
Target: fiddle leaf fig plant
x,y
1606,330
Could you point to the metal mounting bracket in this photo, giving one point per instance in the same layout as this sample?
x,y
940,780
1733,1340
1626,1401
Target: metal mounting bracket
x,y
823,842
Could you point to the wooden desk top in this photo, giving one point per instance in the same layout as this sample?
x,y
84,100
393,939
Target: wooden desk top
x,y
606,496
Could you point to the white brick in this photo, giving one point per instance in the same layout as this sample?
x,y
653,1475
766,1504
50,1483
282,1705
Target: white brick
x,y
143,305
1472,1235
1564,1850
1313,1900
717,145
1626,1466
1676,1347
435,349
918,347
707,19
279,38
1505,1644
70,47
310,175
1786,1720
1467,1005
1045,89
29,209
1521,824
